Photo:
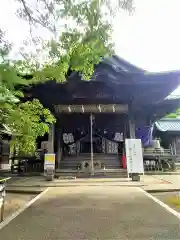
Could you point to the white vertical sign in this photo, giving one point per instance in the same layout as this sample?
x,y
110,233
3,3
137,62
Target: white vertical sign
x,y
134,156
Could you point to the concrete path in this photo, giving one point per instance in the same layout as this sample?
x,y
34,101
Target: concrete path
x,y
99,212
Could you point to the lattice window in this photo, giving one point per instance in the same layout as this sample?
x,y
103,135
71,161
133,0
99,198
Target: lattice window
x,y
103,145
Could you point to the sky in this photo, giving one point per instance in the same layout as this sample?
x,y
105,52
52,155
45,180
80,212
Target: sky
x,y
150,38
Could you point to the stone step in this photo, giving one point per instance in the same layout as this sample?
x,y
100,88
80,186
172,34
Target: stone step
x,y
111,173
95,158
112,162
75,165
98,171
72,162
89,157
177,165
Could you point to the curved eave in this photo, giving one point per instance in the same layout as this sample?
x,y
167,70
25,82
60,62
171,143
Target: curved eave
x,y
154,88
157,111
144,86
160,127
126,81
120,64
166,107
169,125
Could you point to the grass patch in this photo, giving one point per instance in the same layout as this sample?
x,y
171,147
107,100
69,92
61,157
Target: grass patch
x,y
174,200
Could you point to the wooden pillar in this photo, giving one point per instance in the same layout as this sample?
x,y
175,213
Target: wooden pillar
x,y
132,133
132,126
92,154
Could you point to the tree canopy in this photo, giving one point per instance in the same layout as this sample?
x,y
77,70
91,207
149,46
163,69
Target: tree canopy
x,y
81,33
85,34
81,36
26,120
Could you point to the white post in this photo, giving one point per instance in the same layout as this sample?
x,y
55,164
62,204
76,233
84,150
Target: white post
x,y
92,156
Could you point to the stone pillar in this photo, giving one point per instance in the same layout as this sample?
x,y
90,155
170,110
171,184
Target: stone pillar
x,y
59,147
4,157
51,139
174,147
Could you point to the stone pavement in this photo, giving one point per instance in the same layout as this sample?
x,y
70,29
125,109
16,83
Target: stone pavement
x,y
98,212
34,185
173,179
94,212
171,183
41,182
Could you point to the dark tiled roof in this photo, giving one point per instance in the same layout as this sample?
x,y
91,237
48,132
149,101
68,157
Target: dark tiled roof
x,y
168,125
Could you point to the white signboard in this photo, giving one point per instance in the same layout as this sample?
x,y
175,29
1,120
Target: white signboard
x,y
49,161
134,156
1,202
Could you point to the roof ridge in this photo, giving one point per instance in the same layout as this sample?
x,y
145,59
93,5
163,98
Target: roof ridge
x,y
168,119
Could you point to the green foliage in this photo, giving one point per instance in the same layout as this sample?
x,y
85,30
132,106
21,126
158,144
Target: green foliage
x,y
85,37
28,121
85,34
174,115
8,76
47,13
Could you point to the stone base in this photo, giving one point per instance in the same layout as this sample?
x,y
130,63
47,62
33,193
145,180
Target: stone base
x,y
49,174
135,177
49,178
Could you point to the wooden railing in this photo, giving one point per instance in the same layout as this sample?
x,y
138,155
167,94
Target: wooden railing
x,y
24,164
107,147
